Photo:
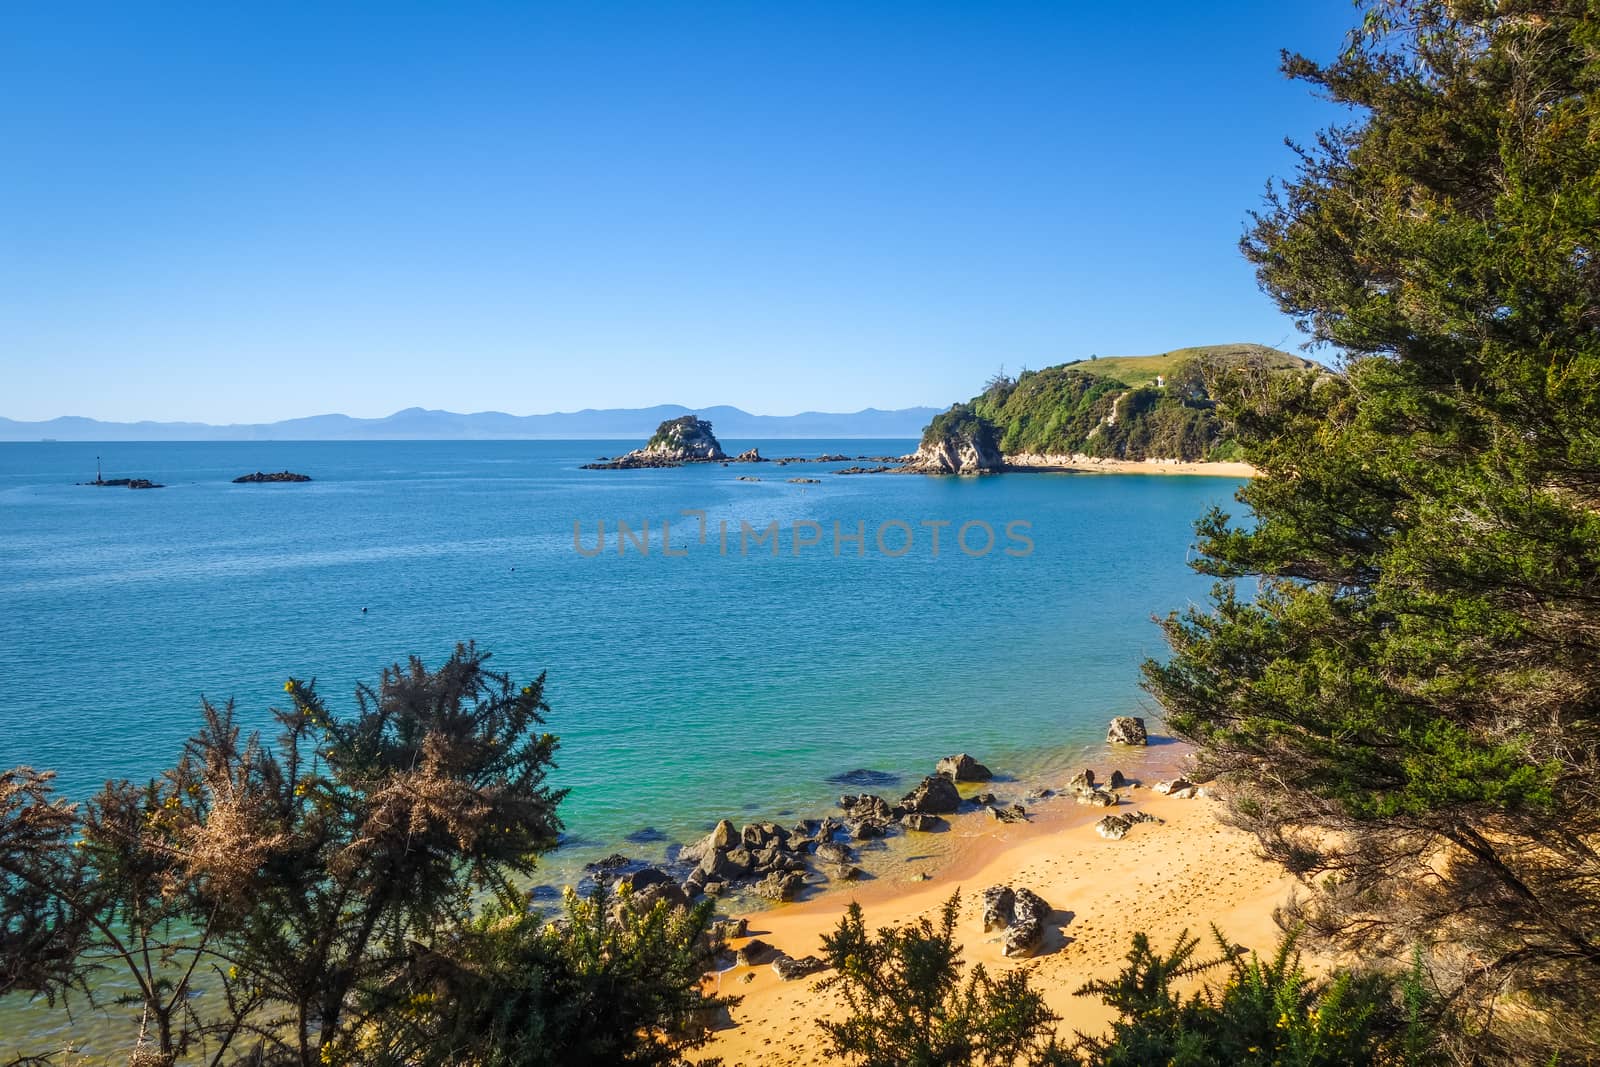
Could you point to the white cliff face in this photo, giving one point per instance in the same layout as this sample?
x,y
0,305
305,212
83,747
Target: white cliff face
x,y
958,454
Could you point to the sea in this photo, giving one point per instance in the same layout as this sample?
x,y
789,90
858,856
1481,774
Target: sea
x,y
742,641
783,634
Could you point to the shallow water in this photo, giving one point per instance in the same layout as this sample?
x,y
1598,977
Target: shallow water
x,y
684,688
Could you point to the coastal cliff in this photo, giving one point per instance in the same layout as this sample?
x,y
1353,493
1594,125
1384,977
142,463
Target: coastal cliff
x,y
1126,413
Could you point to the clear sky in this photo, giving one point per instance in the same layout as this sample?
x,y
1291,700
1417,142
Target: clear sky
x,y
253,211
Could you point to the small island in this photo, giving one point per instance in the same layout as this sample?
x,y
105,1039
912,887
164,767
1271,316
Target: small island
x,y
686,439
276,476
128,483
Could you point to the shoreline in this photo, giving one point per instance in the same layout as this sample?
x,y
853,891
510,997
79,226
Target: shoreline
x,y
1184,872
1034,463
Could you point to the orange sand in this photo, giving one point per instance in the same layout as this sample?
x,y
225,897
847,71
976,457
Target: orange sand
x,y
1186,872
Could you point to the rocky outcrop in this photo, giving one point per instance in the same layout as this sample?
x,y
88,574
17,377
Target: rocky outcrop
x,y
1179,787
998,903
788,968
675,442
127,483
277,476
1116,827
1020,912
1084,779
1009,813
749,455
925,824
1117,781
963,768
960,450
1127,730
781,887
935,796
754,953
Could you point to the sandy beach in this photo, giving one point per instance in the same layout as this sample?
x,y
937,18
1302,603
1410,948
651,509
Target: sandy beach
x,y
1187,871
1093,465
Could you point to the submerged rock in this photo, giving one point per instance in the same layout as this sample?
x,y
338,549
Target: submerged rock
x,y
865,777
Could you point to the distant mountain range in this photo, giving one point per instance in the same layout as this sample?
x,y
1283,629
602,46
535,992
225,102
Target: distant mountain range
x,y
419,424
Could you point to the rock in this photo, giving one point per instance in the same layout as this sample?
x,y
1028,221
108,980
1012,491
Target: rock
x,y
1084,779
1116,827
668,891
749,455
726,929
1034,795
1009,813
724,837
963,768
805,481
832,852
1027,924
984,798
715,888
849,873
866,806
935,796
677,441
126,483
788,968
764,835
998,902
727,865
1127,730
1113,827
781,886
925,824
754,952
1117,781
646,878
868,829
1097,798
277,476
747,478
1173,786
863,776
832,457
1188,792
965,445
613,862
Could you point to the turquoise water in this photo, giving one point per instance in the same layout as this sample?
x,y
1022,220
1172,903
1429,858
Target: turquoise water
x,y
684,688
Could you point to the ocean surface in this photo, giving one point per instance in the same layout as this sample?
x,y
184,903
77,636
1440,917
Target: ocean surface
x,y
685,687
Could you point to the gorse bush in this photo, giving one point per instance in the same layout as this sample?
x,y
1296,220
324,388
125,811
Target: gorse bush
x,y
909,1004
303,903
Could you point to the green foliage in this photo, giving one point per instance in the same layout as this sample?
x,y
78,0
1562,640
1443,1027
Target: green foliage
x,y
318,902
609,984
1266,1012
910,1008
1408,704
1111,408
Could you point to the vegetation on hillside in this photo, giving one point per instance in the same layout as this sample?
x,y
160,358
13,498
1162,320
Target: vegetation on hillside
x,y
1144,407
1407,703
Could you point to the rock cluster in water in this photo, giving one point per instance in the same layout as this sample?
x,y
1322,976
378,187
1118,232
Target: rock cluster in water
x,y
127,483
275,476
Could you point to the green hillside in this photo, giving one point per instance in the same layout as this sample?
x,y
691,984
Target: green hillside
x,y
1119,407
1141,370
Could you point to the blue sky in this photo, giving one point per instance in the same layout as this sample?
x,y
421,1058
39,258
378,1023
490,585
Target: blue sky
x,y
245,212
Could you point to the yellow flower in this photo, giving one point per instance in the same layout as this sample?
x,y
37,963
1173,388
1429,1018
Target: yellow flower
x,y
233,972
288,687
79,844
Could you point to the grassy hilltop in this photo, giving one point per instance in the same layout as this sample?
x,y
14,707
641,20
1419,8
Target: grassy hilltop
x,y
1119,407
